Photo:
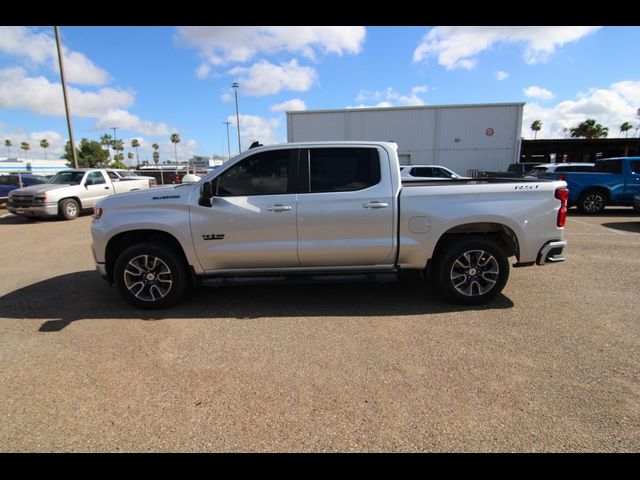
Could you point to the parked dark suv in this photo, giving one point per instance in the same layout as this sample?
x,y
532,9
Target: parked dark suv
x,y
12,181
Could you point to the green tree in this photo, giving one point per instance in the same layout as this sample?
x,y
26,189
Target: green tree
x,y
589,129
175,139
90,154
117,164
44,143
130,157
156,158
107,140
8,144
135,143
536,126
625,127
25,146
118,147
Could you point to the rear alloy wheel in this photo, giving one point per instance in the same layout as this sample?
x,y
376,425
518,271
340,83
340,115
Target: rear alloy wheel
x,y
472,270
151,276
592,202
69,209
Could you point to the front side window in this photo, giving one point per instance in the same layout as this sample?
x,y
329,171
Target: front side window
x,y
265,173
95,178
343,169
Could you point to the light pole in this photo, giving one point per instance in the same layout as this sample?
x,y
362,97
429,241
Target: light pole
x,y
66,99
228,143
235,86
115,140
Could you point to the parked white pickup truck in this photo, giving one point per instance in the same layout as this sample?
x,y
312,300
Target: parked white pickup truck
x,y
70,191
325,211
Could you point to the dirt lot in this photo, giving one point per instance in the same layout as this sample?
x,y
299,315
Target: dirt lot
x,y
553,364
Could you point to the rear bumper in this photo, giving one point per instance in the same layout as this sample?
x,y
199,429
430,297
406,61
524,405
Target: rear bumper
x,y
551,252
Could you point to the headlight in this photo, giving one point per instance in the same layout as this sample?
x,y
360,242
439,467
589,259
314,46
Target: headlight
x,y
97,213
40,198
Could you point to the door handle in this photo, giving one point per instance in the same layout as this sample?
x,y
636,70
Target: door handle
x,y
375,204
278,207
106,188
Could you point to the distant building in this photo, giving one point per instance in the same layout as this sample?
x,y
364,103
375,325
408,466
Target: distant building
x,y
461,137
31,165
560,150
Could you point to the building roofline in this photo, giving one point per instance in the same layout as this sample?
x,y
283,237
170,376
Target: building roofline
x,y
410,107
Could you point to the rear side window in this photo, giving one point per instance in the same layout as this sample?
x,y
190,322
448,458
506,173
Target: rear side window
x,y
343,169
422,172
635,166
609,166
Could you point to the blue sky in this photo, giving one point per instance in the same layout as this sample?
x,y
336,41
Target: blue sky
x,y
154,81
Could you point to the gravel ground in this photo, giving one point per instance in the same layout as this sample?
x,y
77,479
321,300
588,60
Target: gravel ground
x,y
552,365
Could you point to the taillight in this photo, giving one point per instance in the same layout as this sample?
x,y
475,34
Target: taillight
x,y
563,178
562,194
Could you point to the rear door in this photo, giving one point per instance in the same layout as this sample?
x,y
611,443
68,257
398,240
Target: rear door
x,y
345,207
632,185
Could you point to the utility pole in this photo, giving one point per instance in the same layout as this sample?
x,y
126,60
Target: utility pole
x,y
235,86
66,99
228,142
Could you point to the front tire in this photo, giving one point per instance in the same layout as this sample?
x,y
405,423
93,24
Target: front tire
x,y
69,209
472,270
151,276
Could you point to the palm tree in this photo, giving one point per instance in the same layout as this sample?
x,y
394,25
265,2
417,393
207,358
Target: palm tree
x,y
25,146
589,129
106,139
8,144
156,157
44,143
175,139
625,127
118,146
536,126
130,157
135,143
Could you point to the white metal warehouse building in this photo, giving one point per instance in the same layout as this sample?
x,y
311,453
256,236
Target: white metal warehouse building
x,y
461,137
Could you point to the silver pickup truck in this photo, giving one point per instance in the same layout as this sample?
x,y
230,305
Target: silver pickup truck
x,y
70,191
322,212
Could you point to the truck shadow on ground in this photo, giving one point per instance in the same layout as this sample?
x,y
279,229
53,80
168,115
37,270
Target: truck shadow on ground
x,y
633,227
7,218
83,295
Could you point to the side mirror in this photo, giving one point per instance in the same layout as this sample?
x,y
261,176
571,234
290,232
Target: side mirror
x,y
206,192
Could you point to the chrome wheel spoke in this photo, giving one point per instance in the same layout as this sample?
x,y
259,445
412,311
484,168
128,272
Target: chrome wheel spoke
x,y
474,273
148,278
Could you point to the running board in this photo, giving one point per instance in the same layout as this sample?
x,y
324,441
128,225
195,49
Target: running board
x,y
301,279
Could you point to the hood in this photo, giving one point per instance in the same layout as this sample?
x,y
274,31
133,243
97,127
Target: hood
x,y
166,194
41,188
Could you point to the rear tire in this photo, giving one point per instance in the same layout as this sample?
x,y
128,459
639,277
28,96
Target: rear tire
x,y
151,275
592,202
471,270
69,209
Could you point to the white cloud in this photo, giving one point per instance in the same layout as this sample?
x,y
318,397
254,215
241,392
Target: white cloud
x,y
455,47
389,97
226,97
253,127
203,71
264,78
40,48
294,104
501,75
538,92
128,121
225,45
610,107
39,95
55,149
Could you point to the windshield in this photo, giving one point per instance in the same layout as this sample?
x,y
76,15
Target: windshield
x,y
67,178
536,171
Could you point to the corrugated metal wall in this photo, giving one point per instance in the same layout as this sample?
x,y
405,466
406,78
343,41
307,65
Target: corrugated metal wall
x,y
451,135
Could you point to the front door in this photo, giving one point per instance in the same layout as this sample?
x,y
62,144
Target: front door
x,y
96,187
251,223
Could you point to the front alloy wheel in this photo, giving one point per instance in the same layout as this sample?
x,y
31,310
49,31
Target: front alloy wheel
x,y
151,275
